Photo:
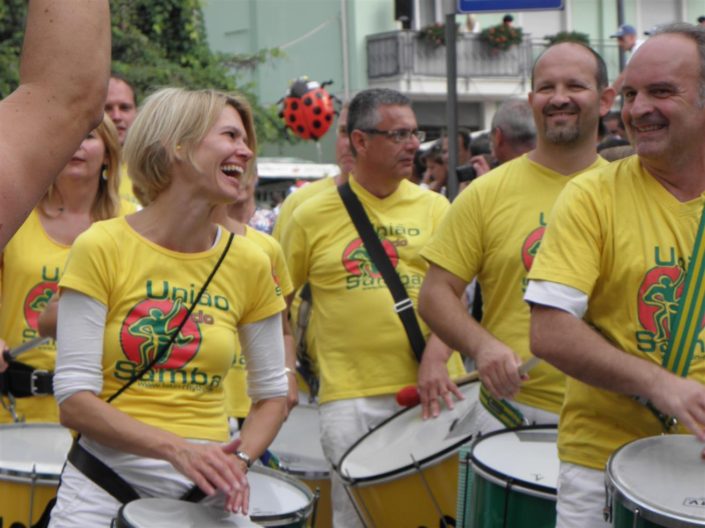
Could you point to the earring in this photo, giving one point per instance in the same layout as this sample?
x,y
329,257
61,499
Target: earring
x,y
104,172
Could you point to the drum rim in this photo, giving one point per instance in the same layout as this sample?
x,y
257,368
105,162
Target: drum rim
x,y
437,457
297,515
537,490
305,473
121,522
23,476
26,477
646,511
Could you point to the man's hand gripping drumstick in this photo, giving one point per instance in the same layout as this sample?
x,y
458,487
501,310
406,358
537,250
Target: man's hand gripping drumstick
x,y
409,396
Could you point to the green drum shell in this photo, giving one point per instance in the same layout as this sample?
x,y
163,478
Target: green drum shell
x,y
624,518
498,500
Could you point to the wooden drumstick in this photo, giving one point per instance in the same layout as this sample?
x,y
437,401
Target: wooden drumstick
x,y
409,396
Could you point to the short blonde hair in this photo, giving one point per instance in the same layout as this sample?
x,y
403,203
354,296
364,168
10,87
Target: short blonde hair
x,y
107,200
171,120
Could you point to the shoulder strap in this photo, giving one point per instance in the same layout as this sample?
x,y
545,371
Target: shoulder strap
x,y
691,309
403,305
686,325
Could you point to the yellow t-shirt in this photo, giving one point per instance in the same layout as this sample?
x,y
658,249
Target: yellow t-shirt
x,y
617,235
237,402
32,263
361,344
492,232
294,200
125,190
283,219
146,289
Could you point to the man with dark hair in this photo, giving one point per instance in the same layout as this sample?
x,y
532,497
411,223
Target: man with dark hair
x,y
493,230
701,20
63,77
606,285
363,351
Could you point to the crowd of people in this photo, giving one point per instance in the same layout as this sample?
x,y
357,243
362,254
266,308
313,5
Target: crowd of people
x,y
172,354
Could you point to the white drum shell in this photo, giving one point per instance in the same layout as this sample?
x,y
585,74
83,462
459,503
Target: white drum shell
x,y
33,452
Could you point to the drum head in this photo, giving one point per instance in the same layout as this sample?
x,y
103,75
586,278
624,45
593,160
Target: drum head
x,y
396,445
527,456
277,496
167,513
662,476
298,445
33,449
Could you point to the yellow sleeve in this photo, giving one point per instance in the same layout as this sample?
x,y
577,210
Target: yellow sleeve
x,y
88,267
457,244
571,247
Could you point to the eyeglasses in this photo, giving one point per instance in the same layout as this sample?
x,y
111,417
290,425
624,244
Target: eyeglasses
x,y
398,136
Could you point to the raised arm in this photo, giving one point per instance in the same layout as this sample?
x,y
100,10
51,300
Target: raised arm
x,y
64,73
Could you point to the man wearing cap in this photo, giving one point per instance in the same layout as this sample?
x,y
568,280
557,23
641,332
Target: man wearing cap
x,y
627,42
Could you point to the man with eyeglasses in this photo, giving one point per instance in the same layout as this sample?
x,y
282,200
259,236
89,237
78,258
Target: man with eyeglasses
x,y
494,229
363,350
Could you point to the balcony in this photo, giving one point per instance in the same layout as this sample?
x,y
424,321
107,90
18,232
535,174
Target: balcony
x,y
400,60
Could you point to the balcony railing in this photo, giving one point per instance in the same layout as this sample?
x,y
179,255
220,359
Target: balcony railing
x,y
402,52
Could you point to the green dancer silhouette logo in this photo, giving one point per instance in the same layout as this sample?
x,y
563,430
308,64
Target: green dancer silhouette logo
x,y
148,328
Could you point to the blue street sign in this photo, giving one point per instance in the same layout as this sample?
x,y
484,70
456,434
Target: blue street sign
x,y
476,6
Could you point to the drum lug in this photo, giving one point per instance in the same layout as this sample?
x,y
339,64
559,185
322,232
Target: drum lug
x,y
314,512
10,407
607,510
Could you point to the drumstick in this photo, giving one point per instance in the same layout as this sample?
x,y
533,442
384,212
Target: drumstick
x,y
10,355
409,396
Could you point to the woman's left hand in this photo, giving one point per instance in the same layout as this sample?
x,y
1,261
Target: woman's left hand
x,y
239,499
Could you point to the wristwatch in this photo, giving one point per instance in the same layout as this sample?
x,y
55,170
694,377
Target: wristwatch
x,y
244,457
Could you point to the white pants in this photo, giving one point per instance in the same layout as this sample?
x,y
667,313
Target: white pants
x,y
343,422
485,422
81,502
581,497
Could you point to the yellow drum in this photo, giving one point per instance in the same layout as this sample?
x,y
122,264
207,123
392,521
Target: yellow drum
x,y
298,448
31,459
405,471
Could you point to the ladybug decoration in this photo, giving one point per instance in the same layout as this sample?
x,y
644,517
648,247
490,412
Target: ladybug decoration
x,y
308,109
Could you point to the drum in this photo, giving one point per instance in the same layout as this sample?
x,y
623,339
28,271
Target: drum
x,y
167,513
31,458
513,479
404,472
298,448
657,481
277,499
